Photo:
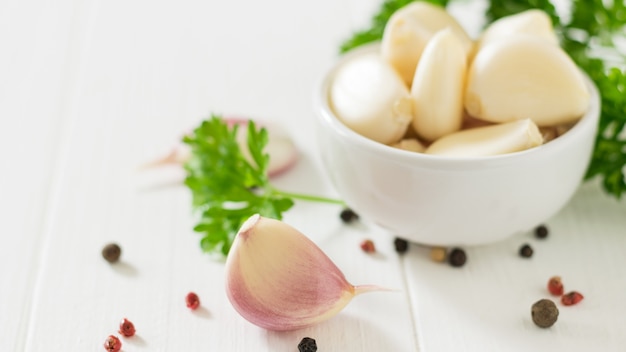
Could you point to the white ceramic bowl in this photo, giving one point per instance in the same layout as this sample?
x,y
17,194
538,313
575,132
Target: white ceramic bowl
x,y
452,201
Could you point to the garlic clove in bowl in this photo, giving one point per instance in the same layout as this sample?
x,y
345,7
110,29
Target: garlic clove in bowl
x,y
437,88
489,140
370,98
532,22
408,31
525,77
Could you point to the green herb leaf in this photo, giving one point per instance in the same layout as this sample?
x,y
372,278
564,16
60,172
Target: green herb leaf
x,y
377,27
589,38
227,188
502,8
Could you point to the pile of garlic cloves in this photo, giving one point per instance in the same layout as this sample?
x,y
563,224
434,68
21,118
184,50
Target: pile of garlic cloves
x,y
432,89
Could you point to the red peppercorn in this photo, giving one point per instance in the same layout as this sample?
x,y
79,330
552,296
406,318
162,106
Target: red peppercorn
x,y
112,344
368,246
555,286
127,328
571,298
192,300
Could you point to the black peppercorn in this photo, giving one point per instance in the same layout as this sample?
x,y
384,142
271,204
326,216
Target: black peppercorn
x,y
541,231
111,252
348,215
307,345
457,257
401,245
526,251
544,313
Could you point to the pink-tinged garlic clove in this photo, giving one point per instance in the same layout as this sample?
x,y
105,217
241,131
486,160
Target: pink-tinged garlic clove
x,y
489,140
281,149
278,279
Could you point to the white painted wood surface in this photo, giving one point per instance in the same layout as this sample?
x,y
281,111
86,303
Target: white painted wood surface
x,y
89,90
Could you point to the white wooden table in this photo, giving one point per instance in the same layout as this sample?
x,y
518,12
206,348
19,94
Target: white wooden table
x,y
91,89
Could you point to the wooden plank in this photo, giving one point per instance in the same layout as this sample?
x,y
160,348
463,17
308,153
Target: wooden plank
x,y
36,71
485,306
149,71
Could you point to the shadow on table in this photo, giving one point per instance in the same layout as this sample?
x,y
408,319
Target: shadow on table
x,y
125,269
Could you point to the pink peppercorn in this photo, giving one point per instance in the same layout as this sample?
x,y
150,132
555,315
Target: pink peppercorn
x,y
571,298
192,300
127,328
112,344
555,286
368,246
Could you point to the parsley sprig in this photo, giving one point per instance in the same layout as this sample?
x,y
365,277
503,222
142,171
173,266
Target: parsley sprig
x,y
589,38
226,187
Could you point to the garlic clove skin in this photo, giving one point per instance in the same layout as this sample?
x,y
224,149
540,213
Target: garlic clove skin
x,y
437,89
369,97
408,31
525,77
489,140
281,149
532,22
278,279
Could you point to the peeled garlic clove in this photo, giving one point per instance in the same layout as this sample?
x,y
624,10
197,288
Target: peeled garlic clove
x,y
524,77
408,31
532,22
437,88
278,279
369,97
410,144
489,140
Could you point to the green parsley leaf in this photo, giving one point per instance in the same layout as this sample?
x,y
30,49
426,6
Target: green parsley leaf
x,y
226,187
502,8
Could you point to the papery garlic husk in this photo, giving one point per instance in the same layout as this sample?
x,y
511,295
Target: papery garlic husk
x,y
438,85
489,140
369,97
410,144
532,22
524,77
472,122
548,133
278,279
408,31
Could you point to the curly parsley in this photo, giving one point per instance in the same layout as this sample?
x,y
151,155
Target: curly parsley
x,y
226,187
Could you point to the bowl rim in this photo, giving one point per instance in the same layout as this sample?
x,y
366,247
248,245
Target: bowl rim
x,y
327,117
